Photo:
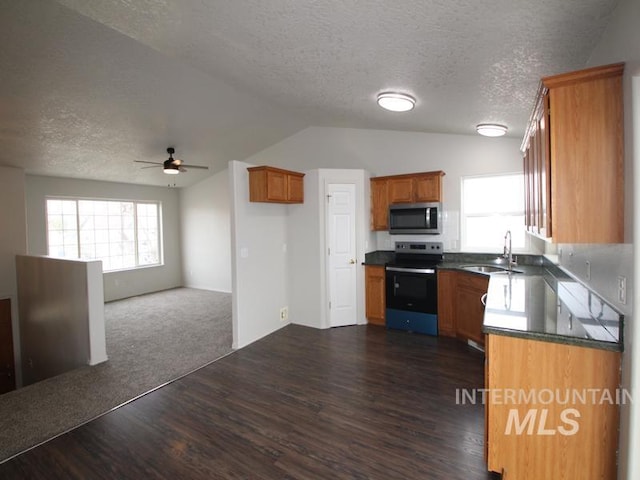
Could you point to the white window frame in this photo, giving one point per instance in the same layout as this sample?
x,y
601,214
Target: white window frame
x,y
135,216
464,246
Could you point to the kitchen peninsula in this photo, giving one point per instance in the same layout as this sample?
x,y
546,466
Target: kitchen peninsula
x,y
555,346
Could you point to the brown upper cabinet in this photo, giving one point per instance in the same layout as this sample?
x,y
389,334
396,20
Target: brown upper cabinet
x,y
409,188
574,159
275,185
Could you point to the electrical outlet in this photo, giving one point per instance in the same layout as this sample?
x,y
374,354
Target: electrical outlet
x,y
284,314
622,289
588,265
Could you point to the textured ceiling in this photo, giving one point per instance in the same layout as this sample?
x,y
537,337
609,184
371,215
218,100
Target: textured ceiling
x,y
89,86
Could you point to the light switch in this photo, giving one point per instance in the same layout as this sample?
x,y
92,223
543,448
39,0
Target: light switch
x,y
244,252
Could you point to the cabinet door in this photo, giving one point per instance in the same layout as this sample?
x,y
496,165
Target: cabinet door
x,y
401,190
587,155
295,189
589,453
375,294
527,188
446,303
469,308
544,168
277,186
379,205
427,188
535,179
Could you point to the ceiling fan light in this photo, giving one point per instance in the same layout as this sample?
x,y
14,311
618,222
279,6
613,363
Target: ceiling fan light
x,y
170,168
491,129
396,102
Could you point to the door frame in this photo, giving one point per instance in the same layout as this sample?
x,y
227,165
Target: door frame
x,y
364,237
327,257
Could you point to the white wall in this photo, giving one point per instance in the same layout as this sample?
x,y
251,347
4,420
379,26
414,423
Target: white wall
x,y
384,152
116,284
305,249
205,232
259,261
13,241
307,245
621,43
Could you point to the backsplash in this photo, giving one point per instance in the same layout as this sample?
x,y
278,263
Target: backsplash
x,y
599,267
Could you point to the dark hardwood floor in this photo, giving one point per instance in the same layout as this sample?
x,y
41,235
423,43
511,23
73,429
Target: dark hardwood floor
x,y
344,403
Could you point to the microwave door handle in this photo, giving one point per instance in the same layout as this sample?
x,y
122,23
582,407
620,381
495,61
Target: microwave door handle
x,y
427,217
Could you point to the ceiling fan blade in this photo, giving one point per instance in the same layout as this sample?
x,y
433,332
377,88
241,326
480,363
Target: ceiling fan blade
x,y
150,166
182,169
194,166
144,161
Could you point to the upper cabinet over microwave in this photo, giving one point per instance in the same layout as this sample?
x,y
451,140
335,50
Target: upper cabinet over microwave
x,y
425,187
573,158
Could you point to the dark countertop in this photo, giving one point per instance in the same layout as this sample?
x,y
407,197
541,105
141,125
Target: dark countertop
x,y
379,257
530,264
540,303
552,309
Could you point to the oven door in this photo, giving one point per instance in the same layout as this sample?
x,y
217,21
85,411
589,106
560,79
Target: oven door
x,y
412,289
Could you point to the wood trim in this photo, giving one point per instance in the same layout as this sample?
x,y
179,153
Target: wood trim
x,y
593,73
409,175
274,169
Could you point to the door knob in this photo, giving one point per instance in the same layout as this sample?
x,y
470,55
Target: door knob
x,y
352,261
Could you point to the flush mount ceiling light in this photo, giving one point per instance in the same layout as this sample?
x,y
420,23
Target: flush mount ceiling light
x,y
396,102
491,129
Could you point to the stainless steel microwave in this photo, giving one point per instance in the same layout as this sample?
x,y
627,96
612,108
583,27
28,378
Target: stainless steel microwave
x,y
415,218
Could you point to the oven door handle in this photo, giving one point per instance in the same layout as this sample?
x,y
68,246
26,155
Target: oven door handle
x,y
411,270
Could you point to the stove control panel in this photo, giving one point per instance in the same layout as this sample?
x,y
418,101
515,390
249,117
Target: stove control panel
x,y
432,248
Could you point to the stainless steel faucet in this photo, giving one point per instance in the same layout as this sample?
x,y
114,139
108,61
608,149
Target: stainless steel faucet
x,y
507,251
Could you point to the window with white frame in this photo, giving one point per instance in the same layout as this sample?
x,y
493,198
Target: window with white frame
x,y
491,205
123,234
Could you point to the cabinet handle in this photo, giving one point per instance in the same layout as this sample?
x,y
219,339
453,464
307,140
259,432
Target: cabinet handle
x,y
483,299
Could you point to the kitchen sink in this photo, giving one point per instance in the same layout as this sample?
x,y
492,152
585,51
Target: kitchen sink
x,y
488,269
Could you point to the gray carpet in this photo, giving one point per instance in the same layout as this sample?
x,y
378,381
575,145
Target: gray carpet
x,y
151,339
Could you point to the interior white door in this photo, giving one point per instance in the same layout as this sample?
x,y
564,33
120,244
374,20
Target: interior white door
x,y
341,253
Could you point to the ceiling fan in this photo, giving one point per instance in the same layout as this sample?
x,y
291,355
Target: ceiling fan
x,y
171,165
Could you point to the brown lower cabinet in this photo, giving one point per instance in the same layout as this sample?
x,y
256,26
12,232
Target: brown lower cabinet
x,y
375,294
544,436
447,302
470,288
460,309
